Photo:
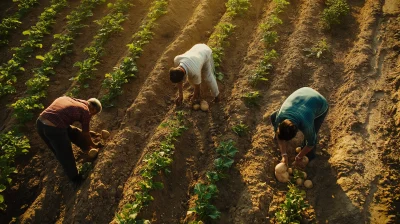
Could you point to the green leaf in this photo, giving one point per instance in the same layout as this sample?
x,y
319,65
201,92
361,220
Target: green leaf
x,y
40,57
26,32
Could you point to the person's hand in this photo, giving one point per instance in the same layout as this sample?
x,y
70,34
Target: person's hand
x,y
298,162
285,160
178,100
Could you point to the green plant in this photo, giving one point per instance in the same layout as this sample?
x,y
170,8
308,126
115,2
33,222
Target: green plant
x,y
203,206
35,35
240,129
127,69
24,107
270,38
109,24
218,41
290,211
334,13
237,7
318,50
260,74
85,168
155,163
12,22
251,98
11,146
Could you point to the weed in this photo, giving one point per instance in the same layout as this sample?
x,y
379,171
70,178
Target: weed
x,y
240,129
334,13
251,98
318,50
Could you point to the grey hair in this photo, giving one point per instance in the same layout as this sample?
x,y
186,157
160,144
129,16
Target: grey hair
x,y
96,104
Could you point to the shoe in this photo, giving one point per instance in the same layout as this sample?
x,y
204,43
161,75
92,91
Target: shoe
x,y
77,181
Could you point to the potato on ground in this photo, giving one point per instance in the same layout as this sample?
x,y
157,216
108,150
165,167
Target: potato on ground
x,y
281,172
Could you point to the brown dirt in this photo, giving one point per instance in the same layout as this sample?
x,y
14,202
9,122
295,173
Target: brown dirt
x,y
356,176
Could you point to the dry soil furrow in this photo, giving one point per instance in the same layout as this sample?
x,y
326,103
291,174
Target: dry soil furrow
x,y
115,48
357,180
211,126
257,169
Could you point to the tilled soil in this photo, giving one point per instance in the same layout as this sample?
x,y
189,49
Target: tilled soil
x,y
356,173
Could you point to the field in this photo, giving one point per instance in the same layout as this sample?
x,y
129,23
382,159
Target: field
x,y
156,163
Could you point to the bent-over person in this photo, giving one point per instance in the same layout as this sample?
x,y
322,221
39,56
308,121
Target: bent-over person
x,y
53,126
197,63
304,110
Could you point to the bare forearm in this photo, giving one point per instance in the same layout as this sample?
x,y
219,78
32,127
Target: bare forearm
x,y
306,149
88,139
180,89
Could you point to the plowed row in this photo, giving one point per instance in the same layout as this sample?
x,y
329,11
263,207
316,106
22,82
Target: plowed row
x,y
356,176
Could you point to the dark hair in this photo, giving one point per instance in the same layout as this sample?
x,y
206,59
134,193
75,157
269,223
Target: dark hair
x,y
176,75
286,130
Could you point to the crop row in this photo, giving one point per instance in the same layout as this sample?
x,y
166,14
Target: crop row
x,y
224,29
35,35
270,38
11,146
155,162
109,24
24,107
206,192
127,69
12,22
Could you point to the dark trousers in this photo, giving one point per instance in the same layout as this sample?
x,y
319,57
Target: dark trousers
x,y
317,125
59,143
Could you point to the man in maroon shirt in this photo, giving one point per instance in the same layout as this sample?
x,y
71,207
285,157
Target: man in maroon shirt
x,y
53,126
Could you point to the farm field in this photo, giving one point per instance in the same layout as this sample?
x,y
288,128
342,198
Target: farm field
x,y
163,162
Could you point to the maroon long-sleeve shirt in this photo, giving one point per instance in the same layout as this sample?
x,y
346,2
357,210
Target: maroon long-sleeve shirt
x,y
64,111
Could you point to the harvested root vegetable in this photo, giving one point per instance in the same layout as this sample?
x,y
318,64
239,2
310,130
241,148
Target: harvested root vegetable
x,y
196,107
105,134
299,181
281,172
298,149
308,184
290,170
281,168
93,153
204,105
282,177
304,161
304,175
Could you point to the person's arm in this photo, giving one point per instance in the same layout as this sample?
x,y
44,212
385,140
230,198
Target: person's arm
x,y
282,147
89,140
179,99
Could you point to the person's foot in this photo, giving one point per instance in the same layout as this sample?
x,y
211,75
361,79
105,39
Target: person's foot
x,y
77,181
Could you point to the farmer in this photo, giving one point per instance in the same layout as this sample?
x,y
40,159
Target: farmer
x,y
304,110
53,126
197,63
